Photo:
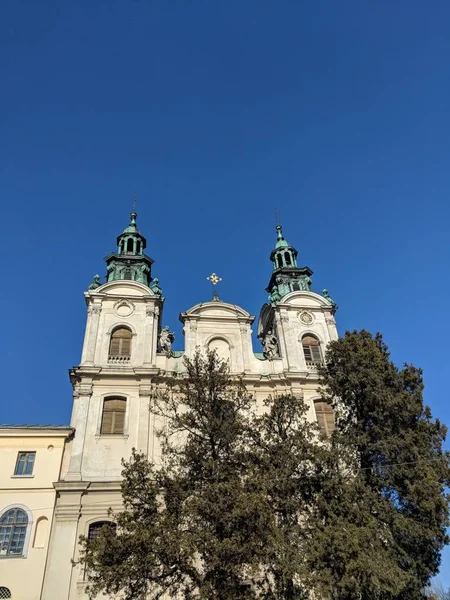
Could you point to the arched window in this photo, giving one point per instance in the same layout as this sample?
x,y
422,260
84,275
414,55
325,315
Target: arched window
x,y
325,417
113,416
287,258
4,592
130,246
13,530
311,350
120,345
95,528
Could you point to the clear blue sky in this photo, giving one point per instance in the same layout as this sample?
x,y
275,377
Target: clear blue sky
x,y
216,114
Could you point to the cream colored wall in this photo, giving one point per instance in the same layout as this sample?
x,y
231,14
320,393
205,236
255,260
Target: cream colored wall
x,y
36,495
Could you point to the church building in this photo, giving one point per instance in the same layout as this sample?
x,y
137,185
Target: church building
x,y
127,354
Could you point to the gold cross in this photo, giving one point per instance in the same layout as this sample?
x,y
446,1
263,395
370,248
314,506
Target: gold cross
x,y
214,279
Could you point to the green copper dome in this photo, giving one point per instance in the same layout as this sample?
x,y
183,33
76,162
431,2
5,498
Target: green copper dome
x,y
132,228
130,262
287,276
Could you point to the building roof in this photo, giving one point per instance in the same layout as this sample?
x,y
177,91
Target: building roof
x,y
35,426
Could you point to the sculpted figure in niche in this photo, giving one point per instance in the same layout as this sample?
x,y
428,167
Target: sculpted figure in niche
x,y
166,339
270,345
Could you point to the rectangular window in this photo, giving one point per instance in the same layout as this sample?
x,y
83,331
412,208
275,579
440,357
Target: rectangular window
x,y
25,463
113,417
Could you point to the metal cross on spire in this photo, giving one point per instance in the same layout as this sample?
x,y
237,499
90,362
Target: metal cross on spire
x,y
214,279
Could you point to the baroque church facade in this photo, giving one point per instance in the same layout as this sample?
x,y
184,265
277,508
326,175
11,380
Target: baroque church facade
x,y
127,354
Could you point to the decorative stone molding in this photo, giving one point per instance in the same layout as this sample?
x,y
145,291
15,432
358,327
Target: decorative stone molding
x,y
94,309
305,317
82,390
123,308
145,392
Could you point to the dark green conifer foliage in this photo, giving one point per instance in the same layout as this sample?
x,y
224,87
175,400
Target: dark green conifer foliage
x,y
288,470
198,525
250,506
379,522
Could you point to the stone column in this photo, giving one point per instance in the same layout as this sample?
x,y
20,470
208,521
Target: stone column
x,y
292,346
279,322
63,541
144,417
81,400
90,341
149,334
331,326
246,346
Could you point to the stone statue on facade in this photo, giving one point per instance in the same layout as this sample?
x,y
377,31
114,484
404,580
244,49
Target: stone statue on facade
x,y
166,339
305,283
327,297
275,295
270,345
154,286
141,274
110,270
96,283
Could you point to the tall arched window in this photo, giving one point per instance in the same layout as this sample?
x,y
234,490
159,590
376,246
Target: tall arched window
x,y
13,530
311,350
120,345
113,416
325,417
287,258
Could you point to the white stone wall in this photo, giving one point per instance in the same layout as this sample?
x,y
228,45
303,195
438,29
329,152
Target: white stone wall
x,y
92,466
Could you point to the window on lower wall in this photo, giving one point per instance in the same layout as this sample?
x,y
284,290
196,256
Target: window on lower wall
x,y
113,416
325,417
13,531
95,528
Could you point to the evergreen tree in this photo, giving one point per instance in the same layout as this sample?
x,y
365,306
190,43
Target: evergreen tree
x,y
197,526
379,523
251,505
289,470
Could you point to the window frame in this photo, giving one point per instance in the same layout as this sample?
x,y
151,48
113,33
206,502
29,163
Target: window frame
x,y
26,454
29,528
326,430
310,349
100,523
104,400
120,356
